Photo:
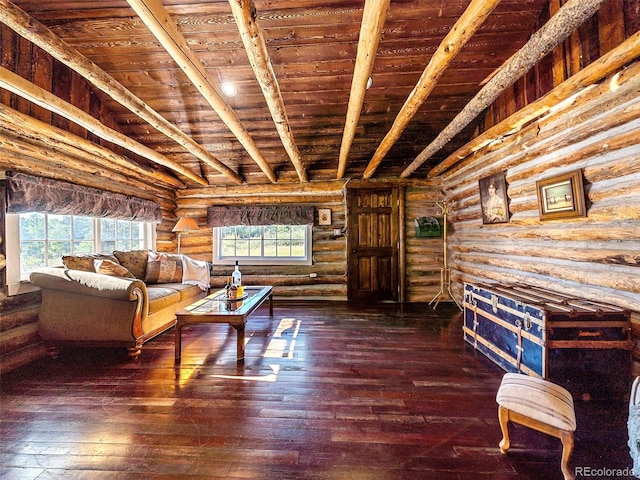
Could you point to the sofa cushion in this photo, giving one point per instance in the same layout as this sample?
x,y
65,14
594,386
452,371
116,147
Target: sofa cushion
x,y
185,291
85,262
109,267
163,268
161,297
135,261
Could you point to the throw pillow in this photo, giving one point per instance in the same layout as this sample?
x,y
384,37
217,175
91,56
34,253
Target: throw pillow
x,y
85,261
135,261
163,268
114,269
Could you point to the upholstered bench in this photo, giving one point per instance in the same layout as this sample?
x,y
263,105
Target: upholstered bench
x,y
541,405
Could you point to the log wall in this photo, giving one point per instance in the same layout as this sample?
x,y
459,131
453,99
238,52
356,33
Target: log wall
x,y
597,256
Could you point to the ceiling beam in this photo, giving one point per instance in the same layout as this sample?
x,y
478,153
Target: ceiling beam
x,y
244,12
18,85
464,28
162,26
573,14
38,34
373,17
609,63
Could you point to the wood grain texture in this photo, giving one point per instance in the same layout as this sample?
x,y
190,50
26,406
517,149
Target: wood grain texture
x,y
329,390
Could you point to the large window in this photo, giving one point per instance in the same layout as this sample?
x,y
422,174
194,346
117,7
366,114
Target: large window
x,y
268,244
43,239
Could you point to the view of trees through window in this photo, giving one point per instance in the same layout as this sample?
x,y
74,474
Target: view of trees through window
x,y
269,241
44,238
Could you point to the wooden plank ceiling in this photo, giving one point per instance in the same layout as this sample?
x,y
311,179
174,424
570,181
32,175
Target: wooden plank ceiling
x,y
302,111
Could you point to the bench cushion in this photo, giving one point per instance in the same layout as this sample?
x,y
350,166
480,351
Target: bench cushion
x,y
537,399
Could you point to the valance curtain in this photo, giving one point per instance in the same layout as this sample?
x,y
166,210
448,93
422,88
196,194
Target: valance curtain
x,y
260,215
27,193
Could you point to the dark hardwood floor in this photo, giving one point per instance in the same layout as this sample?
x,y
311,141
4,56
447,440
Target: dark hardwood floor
x,y
329,390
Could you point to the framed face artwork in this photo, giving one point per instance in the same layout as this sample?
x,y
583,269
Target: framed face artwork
x,y
324,216
494,200
561,196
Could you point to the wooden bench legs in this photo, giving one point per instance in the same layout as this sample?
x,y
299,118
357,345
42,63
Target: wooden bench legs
x,y
566,437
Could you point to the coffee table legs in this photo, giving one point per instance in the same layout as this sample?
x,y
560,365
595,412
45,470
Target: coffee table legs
x,y
178,342
240,342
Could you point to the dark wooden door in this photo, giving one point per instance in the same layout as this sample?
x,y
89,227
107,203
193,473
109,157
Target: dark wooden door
x,y
372,244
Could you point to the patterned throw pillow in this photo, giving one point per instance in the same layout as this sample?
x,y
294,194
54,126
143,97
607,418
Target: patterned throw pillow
x,y
85,261
163,268
135,261
114,269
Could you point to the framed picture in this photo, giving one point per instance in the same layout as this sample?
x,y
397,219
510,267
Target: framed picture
x,y
561,196
324,216
494,200
427,227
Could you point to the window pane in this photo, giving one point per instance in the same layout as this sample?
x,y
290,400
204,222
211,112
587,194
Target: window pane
x,y
284,231
59,227
31,256
255,232
108,246
298,231
283,248
243,231
270,248
83,247
123,229
297,249
107,229
270,231
56,249
255,248
82,228
32,226
242,248
228,248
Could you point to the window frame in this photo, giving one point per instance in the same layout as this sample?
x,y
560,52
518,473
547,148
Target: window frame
x,y
218,260
15,278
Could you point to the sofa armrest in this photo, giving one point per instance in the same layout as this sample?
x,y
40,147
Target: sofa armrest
x,y
78,305
88,283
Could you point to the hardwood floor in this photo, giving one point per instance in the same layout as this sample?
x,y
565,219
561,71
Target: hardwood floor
x,y
329,390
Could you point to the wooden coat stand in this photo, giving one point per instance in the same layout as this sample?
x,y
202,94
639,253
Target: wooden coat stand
x,y
445,272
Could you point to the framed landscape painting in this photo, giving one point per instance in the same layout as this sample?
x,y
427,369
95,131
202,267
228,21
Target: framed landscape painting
x,y
561,196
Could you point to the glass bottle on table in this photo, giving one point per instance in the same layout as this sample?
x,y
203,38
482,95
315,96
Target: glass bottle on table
x,y
236,280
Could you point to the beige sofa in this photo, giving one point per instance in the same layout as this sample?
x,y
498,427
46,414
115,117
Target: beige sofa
x,y
91,308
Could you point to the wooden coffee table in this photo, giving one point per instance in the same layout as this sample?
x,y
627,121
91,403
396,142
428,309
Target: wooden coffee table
x,y
216,309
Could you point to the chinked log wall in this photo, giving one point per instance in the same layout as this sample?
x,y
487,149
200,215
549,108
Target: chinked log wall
x,y
596,257
423,259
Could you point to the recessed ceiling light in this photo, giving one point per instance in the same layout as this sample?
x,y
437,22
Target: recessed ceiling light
x,y
369,83
229,89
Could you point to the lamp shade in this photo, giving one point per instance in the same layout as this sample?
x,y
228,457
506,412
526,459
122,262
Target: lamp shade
x,y
185,224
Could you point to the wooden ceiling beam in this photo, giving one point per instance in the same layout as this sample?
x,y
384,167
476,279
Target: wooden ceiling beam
x,y
464,28
162,26
609,63
570,16
37,33
373,17
244,12
18,85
